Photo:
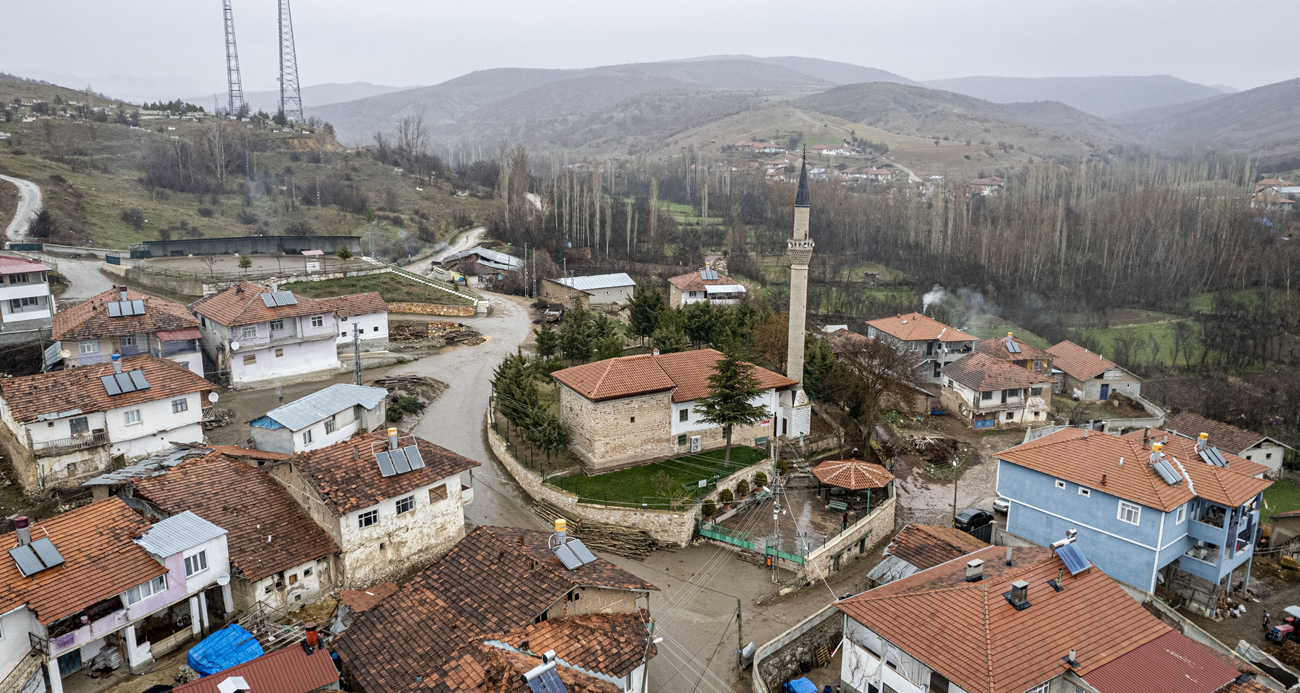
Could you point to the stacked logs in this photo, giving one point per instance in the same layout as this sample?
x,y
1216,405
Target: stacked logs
x,y
601,536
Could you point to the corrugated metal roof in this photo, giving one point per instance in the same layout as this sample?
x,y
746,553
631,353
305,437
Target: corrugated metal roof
x,y
724,289
301,413
287,670
508,261
178,533
153,465
1169,664
599,281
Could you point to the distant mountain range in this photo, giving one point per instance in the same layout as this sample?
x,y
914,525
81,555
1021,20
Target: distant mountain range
x,y
1100,96
1264,120
316,94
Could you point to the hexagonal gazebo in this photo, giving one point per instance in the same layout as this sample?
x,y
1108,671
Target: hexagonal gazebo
x,y
845,481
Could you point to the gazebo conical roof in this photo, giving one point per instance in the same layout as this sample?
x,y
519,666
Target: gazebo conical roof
x,y
853,474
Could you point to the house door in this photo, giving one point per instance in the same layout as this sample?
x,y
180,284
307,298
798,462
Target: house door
x,y
785,426
1004,396
70,663
1105,391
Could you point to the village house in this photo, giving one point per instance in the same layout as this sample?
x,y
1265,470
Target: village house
x,y
290,669
1088,376
499,599
1179,514
481,266
99,584
598,290
1286,527
64,425
633,409
762,147
257,334
321,419
1017,352
1034,620
26,304
984,187
120,321
704,285
1273,183
921,547
933,343
388,501
370,313
278,555
1250,445
991,393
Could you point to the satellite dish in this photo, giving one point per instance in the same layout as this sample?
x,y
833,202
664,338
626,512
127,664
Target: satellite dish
x,y
234,346
223,579
65,354
212,397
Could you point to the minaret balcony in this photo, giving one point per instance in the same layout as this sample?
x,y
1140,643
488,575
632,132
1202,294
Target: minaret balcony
x,y
800,244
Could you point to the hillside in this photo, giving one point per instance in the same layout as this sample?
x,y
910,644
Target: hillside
x,y
829,71
1264,120
1100,96
319,94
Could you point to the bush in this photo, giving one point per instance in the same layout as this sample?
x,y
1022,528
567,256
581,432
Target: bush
x,y
725,495
760,479
403,405
742,488
708,508
247,217
133,217
206,212
781,466
58,179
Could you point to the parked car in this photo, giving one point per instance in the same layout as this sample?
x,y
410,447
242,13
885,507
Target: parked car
x,y
972,519
553,312
1002,505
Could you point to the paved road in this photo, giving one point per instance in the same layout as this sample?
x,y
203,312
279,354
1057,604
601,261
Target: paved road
x,y
464,241
914,178
29,204
84,278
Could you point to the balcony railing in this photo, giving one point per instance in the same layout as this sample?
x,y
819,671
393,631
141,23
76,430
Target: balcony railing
x,y
62,446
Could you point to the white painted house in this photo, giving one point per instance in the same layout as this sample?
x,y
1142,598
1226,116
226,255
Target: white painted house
x,y
25,300
704,285
258,334
932,343
64,425
320,419
991,393
120,321
597,290
370,313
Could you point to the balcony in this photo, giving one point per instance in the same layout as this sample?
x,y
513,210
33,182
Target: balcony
x,y
63,446
466,494
1207,532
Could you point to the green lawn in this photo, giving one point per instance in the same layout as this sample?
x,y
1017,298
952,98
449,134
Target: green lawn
x,y
636,485
1162,332
390,286
1283,496
996,327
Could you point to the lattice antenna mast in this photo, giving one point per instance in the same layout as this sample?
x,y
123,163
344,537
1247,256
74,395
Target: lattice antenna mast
x,y
290,94
234,86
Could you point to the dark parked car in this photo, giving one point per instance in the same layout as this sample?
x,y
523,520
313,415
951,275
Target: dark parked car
x,y
972,519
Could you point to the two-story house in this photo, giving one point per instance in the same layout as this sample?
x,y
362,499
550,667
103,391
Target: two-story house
x,y
83,586
256,333
369,312
321,419
932,343
63,425
1017,352
1087,375
120,321
1149,507
704,285
632,409
1253,446
26,304
991,393
388,501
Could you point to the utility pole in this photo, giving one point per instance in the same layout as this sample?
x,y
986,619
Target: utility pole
x,y
954,491
356,354
525,270
317,192
534,272
645,659
740,638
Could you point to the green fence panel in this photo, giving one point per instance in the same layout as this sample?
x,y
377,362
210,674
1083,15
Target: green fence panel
x,y
113,259
726,536
29,247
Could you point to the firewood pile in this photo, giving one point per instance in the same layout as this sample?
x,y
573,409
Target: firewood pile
x,y
601,536
438,333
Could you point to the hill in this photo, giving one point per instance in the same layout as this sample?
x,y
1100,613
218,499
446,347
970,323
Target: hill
x,y
1264,120
1100,96
320,94
829,71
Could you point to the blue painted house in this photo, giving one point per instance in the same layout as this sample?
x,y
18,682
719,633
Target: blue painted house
x,y
1151,508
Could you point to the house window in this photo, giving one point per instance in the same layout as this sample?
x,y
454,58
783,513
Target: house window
x,y
367,518
17,305
279,352
157,585
318,321
1085,492
681,439
1268,455
950,383
1130,513
1181,515
248,332
277,325
306,572
131,416
1060,484
437,494
1010,415
375,328
1035,392
633,419
20,278
79,425
306,437
203,322
128,340
180,405
684,415
343,334
329,425
986,396
196,563
88,347
250,359
293,579
405,505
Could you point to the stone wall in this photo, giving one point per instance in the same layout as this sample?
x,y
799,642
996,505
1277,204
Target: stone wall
x,y
777,661
849,546
666,526
748,473
431,309
610,434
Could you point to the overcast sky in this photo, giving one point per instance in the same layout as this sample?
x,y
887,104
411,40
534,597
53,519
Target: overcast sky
x,y
175,46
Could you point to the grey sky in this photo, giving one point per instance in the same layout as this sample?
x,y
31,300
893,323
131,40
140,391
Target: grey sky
x,y
175,46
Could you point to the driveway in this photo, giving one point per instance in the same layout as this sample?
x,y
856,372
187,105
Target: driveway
x,y
84,278
29,204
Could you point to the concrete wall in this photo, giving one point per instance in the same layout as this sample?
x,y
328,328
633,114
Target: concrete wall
x,y
777,660
595,600
295,359
1116,380
614,433
860,540
253,245
668,527
289,589
373,328
1269,454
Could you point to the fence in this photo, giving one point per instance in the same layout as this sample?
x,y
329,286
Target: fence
x,y
733,537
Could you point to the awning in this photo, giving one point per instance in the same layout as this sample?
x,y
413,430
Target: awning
x,y
179,335
724,289
313,252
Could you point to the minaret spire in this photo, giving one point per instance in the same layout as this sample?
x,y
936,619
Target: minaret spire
x,y
795,409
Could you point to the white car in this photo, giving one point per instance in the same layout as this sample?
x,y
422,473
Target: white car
x,y
1001,505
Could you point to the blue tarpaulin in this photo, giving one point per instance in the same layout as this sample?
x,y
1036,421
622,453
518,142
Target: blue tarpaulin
x,y
801,686
225,648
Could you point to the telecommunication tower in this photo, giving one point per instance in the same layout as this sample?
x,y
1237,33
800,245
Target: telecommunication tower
x,y
290,94
235,87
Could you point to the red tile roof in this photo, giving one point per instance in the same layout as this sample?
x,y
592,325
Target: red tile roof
x,y
357,304
693,282
915,327
366,599
971,634
611,644
1290,513
90,318
80,388
686,373
286,670
984,373
101,561
1169,664
1078,362
347,478
1251,686
246,501
10,264
242,305
1222,435
926,546
854,475
251,453
997,347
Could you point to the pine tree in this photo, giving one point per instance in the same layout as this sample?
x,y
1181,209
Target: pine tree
x,y
575,336
818,362
518,397
732,390
699,318
548,341
643,312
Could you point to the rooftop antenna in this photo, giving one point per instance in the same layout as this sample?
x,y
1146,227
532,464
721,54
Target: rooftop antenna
x,y
235,87
290,94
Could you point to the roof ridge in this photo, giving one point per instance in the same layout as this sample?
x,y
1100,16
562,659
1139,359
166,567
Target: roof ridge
x,y
595,389
250,300
988,637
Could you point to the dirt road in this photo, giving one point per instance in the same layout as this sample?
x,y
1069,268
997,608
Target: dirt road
x,y
29,204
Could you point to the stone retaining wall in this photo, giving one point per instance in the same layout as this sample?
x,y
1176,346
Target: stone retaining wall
x,y
666,526
431,309
874,528
777,661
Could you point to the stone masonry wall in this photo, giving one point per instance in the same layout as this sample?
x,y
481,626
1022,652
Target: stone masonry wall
x,y
612,433
875,528
778,660
431,309
666,526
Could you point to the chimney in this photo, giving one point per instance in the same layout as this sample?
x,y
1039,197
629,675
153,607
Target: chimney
x,y
1103,475
117,363
392,439
975,570
1203,441
21,528
122,290
561,529
1069,659
655,352
1008,555
1019,595
313,638
275,286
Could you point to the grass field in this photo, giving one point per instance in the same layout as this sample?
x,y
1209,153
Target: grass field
x,y
391,287
1283,496
636,485
1162,333
990,327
